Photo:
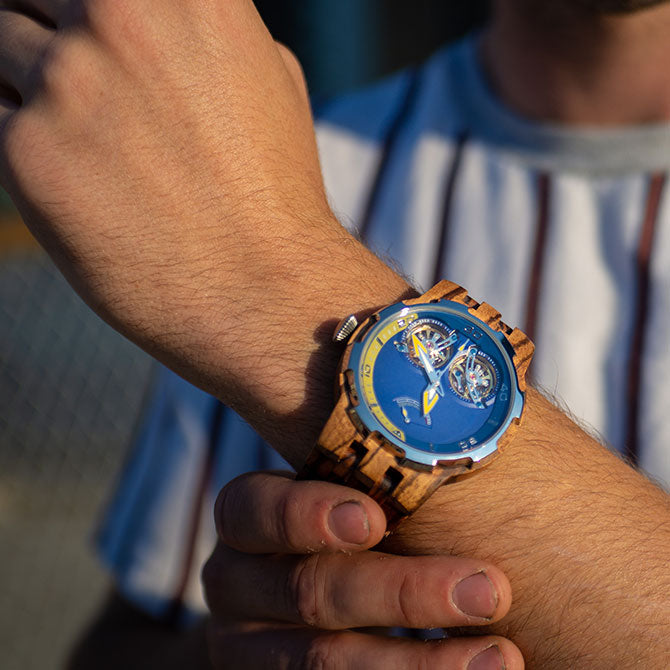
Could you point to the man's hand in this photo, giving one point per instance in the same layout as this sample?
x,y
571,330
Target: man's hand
x,y
293,572
583,538
164,155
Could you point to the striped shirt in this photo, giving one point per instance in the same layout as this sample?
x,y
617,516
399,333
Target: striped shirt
x,y
565,230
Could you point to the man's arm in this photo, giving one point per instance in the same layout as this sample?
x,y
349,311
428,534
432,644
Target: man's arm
x,y
163,154
583,537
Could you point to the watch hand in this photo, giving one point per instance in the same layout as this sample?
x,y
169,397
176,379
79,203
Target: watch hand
x,y
438,379
458,376
430,395
429,398
445,344
437,384
424,357
470,377
440,373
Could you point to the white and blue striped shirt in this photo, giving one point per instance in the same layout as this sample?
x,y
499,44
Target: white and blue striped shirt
x,y
565,230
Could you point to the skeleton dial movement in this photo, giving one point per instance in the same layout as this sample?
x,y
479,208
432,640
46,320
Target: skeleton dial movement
x,y
429,377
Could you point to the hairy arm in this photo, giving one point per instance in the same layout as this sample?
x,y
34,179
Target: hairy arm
x,y
163,154
583,537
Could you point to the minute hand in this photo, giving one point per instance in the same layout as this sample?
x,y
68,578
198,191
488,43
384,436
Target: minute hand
x,y
430,371
433,391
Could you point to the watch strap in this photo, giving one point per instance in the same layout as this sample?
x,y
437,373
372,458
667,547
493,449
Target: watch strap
x,y
369,464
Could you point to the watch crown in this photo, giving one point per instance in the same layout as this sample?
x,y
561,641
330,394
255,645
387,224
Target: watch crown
x,y
344,328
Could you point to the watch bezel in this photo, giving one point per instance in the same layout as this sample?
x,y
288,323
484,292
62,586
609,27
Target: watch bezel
x,y
409,453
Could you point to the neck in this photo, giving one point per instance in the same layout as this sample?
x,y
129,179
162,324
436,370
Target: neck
x,y
572,67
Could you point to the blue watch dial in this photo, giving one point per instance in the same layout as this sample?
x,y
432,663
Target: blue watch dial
x,y
434,380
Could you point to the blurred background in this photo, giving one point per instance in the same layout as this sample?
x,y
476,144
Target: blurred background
x,y
71,389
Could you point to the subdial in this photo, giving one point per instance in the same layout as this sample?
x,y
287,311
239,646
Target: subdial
x,y
436,337
411,411
473,377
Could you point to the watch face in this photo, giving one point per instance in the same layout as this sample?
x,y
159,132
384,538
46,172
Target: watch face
x,y
435,381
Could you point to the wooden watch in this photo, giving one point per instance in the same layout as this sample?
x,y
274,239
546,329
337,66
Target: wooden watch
x,y
428,389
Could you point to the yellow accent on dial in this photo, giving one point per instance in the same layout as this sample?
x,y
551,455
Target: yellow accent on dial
x,y
418,345
368,362
428,401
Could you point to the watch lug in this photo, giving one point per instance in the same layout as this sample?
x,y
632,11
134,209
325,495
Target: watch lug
x,y
351,387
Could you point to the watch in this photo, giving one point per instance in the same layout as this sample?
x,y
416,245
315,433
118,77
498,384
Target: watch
x,y
427,390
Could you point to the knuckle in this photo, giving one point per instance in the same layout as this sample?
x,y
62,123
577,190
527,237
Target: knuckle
x,y
408,599
131,31
58,65
307,587
105,15
326,652
293,66
232,512
288,522
63,70
24,142
289,57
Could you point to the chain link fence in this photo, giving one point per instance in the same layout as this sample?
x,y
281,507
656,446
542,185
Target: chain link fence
x,y
70,393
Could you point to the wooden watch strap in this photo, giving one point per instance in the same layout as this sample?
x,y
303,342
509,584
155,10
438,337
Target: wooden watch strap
x,y
371,465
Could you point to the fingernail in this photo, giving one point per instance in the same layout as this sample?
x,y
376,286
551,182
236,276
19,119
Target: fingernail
x,y
489,659
475,596
349,522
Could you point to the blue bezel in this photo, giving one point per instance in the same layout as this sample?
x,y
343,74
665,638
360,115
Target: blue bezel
x,y
415,450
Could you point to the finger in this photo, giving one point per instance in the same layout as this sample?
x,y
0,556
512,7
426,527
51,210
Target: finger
x,y
44,11
300,648
337,591
23,42
294,69
270,513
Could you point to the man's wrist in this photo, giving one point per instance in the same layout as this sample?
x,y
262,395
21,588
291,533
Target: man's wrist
x,y
272,359
573,526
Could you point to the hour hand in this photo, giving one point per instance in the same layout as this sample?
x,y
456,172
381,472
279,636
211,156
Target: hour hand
x,y
430,397
434,390
424,357
434,376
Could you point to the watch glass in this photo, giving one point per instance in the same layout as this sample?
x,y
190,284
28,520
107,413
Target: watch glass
x,y
434,380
